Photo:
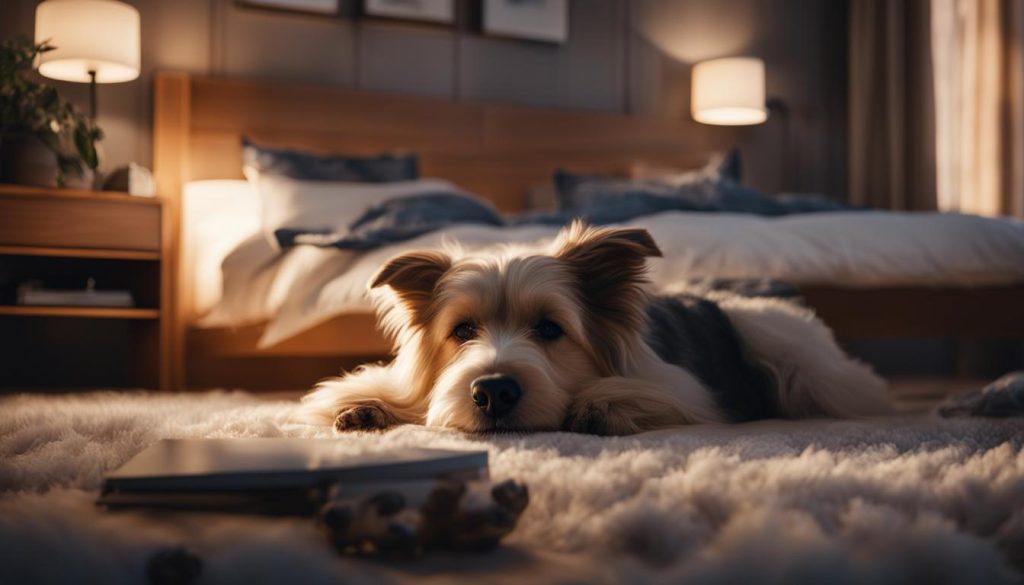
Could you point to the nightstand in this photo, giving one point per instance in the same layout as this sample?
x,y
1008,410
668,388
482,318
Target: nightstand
x,y
62,238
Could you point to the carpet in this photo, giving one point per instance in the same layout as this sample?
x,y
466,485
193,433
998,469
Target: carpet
x,y
908,499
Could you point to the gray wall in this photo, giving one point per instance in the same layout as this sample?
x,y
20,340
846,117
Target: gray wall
x,y
622,56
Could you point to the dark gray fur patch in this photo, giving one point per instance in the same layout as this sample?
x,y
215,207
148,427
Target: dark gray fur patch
x,y
693,333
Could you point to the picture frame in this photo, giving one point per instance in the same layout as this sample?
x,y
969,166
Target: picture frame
x,y
439,12
544,21
317,7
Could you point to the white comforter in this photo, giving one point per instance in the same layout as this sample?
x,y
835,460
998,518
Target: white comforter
x,y
305,286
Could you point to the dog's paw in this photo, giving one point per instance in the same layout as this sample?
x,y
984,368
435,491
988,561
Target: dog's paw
x,y
365,417
587,419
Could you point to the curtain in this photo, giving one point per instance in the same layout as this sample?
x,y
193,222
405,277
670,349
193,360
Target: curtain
x,y
979,91
891,108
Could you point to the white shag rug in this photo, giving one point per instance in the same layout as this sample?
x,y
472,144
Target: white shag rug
x,y
902,500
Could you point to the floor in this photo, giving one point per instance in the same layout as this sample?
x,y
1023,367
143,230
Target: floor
x,y
915,498
920,394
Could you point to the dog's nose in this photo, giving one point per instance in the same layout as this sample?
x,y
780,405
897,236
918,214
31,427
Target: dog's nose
x,y
496,394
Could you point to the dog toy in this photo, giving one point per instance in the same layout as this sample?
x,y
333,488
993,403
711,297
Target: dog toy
x,y
452,515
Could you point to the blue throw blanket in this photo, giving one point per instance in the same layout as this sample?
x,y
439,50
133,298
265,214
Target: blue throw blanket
x,y
404,218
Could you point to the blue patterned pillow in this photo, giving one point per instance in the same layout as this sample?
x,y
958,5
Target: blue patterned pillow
x,y
699,189
715,188
307,166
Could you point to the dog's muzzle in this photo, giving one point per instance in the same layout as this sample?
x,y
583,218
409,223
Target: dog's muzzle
x,y
496,395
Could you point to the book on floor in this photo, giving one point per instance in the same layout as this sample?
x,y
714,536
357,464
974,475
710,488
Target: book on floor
x,y
269,475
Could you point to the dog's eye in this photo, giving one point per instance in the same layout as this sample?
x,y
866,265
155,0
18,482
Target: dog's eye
x,y
464,332
547,330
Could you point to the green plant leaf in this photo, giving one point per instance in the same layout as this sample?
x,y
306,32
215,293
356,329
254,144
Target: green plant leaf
x,y
85,143
30,107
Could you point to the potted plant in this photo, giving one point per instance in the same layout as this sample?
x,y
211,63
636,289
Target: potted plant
x,y
44,140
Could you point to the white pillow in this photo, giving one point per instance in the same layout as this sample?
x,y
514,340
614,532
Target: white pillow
x,y
328,206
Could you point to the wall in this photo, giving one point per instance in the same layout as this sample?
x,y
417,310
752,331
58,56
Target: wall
x,y
623,56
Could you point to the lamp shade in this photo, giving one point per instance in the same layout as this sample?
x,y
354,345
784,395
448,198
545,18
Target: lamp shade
x,y
90,35
729,92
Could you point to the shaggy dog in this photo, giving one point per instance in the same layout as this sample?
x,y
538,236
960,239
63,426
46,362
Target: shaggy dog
x,y
569,339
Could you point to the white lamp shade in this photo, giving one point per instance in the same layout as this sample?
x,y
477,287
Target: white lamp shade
x,y
90,35
729,92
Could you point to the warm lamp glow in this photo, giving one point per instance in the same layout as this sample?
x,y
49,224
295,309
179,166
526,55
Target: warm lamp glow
x,y
729,92
100,36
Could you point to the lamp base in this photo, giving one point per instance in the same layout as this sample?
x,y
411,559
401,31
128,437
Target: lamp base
x,y
780,111
92,96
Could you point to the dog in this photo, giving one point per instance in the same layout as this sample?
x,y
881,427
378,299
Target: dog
x,y
569,338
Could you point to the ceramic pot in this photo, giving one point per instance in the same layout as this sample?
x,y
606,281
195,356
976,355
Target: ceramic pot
x,y
84,180
25,160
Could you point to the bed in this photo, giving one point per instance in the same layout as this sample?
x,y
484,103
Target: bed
x,y
870,276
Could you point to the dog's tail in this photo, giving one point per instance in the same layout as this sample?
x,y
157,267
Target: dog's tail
x,y
814,376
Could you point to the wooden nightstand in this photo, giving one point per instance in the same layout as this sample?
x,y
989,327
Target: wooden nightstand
x,y
61,238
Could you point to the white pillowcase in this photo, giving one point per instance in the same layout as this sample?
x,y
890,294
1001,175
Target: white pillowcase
x,y
328,206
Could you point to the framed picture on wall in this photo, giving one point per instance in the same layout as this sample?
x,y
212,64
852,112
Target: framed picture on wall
x,y
432,11
324,7
533,20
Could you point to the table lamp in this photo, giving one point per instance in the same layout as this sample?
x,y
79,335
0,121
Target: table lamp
x,y
97,41
729,92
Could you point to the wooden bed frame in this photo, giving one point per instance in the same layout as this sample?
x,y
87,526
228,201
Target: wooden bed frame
x,y
497,151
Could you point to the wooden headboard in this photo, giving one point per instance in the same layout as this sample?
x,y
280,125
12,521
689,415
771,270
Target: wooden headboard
x,y
496,151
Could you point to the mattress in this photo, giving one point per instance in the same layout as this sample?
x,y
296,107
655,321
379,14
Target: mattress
x,y
239,277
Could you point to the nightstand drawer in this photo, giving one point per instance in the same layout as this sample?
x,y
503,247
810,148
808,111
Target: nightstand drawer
x,y
74,223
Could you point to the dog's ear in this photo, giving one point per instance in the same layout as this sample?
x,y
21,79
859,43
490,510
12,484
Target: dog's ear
x,y
610,266
619,249
413,275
